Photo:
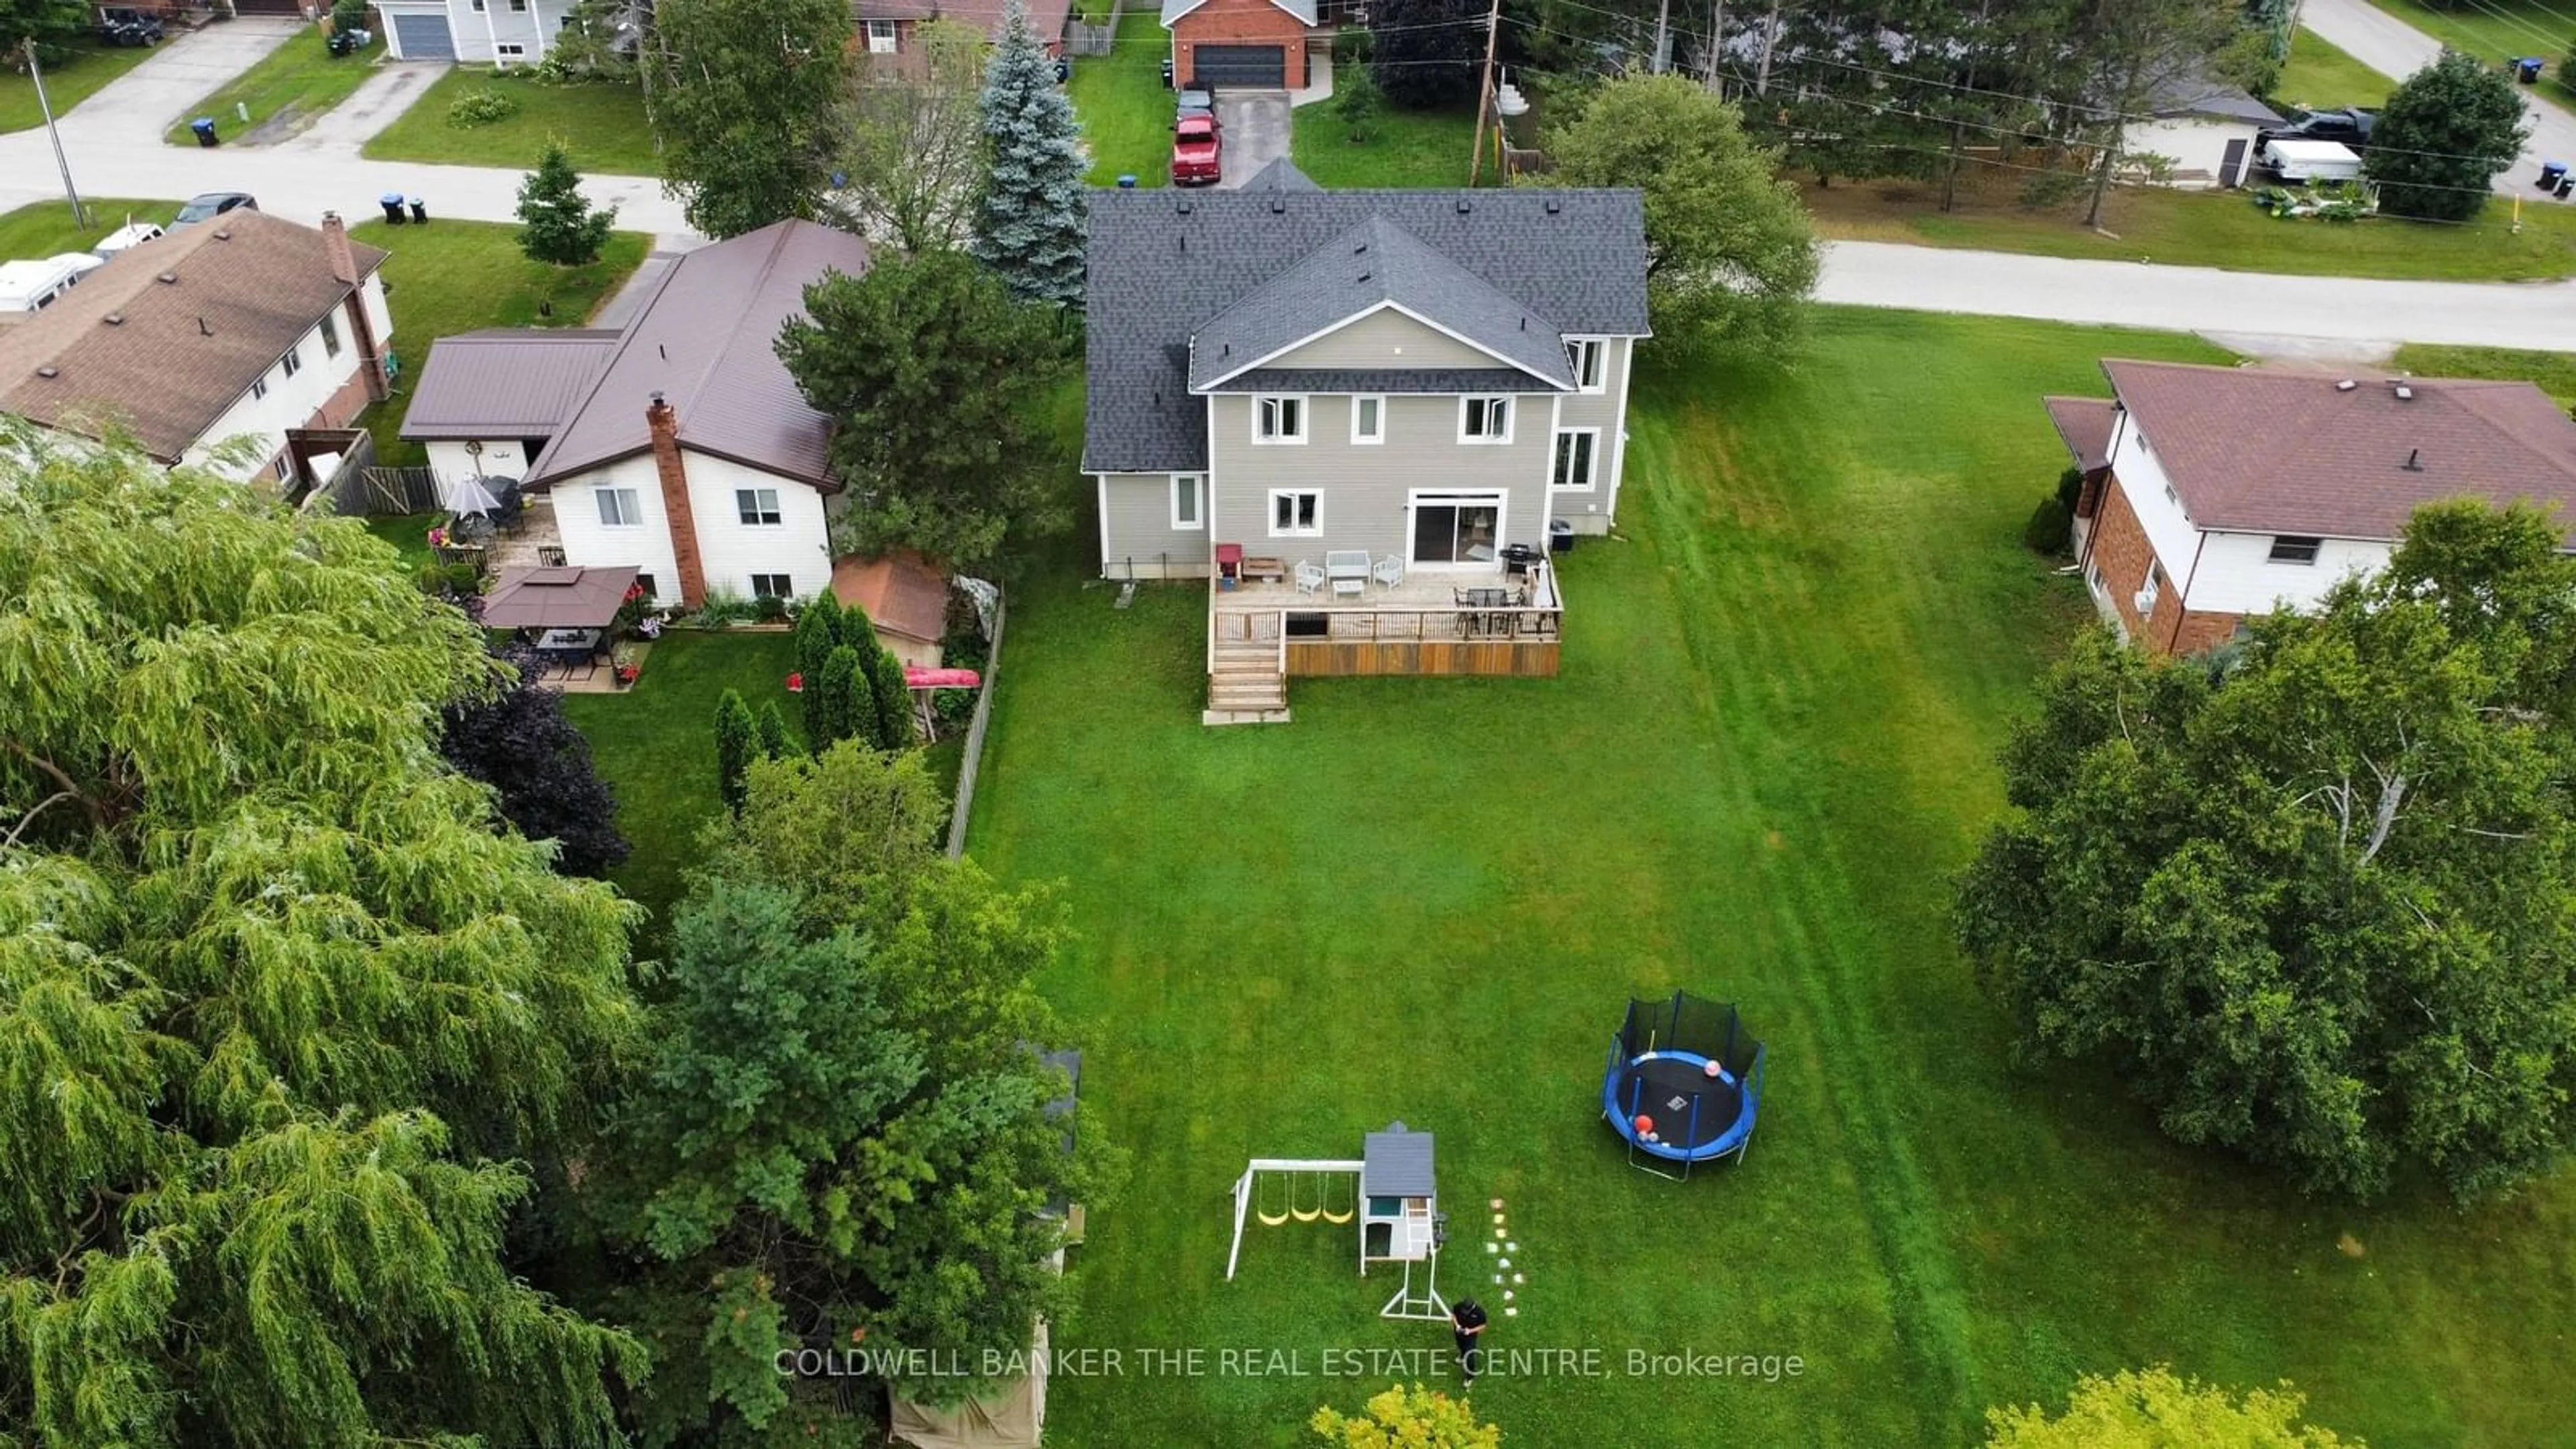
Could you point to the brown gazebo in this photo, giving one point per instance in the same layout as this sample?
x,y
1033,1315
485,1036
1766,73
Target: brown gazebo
x,y
557,598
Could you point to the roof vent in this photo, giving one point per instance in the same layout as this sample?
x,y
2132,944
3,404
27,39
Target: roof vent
x,y
49,370
114,319
2414,460
1465,206
1279,206
203,330
2346,385
1361,250
169,279
1184,207
225,235
2405,393
1554,206
1363,276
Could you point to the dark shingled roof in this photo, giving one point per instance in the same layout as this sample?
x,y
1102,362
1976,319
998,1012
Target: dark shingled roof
x,y
1385,379
2084,425
505,382
1163,264
1373,266
1396,1163
1173,10
1280,175
706,339
2250,451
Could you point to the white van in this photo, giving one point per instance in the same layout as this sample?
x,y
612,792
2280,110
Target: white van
x,y
124,238
2306,162
34,286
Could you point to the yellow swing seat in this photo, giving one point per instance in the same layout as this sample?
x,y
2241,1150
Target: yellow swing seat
x,y
1269,1219
1306,1215
1349,1205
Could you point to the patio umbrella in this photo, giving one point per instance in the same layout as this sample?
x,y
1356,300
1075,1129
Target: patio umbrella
x,y
468,495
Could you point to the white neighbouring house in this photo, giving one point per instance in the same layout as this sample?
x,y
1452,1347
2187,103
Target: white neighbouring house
x,y
678,444
493,32
231,336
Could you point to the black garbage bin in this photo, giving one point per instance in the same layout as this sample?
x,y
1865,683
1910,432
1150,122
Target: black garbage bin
x,y
392,202
2566,187
204,126
1560,536
420,211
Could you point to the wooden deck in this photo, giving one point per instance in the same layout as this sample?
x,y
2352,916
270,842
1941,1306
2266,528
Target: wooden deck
x,y
1419,627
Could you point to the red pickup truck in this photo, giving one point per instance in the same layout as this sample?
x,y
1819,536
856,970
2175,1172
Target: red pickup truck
x,y
1196,151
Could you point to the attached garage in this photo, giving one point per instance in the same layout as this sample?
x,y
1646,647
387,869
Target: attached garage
x,y
422,37
1240,67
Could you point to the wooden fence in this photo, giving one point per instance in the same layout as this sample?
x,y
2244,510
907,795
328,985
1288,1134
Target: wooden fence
x,y
389,490
966,768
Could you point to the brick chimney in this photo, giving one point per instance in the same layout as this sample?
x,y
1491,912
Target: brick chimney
x,y
668,465
353,309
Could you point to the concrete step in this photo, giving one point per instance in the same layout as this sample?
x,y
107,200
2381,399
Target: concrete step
x,y
1246,699
1243,716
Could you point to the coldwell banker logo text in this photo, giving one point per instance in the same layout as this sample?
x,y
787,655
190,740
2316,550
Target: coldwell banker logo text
x,y
1349,1362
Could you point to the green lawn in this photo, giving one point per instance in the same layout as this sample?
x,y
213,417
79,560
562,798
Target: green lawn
x,y
1409,149
2555,372
67,84
602,126
2496,31
2212,229
1126,113
409,534
457,276
46,228
292,86
656,744
2319,77
1771,746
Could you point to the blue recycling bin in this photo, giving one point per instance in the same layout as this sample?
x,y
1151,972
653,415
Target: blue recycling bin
x,y
204,126
2527,70
2551,173
1127,181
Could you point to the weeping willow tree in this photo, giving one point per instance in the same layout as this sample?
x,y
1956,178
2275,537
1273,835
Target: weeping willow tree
x,y
282,1013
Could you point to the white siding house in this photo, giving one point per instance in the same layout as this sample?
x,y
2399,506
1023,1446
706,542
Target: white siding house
x,y
486,32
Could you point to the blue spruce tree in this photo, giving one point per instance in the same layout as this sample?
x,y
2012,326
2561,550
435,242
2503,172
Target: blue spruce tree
x,y
1031,226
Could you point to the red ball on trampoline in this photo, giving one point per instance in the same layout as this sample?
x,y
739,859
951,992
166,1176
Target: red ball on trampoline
x,y
1645,1124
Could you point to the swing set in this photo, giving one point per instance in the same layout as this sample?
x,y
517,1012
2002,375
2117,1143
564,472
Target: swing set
x,y
1347,1200
1387,1190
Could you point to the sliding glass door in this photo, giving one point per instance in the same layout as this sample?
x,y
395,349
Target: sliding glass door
x,y
1457,528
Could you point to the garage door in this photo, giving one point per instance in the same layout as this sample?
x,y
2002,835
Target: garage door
x,y
1241,66
424,37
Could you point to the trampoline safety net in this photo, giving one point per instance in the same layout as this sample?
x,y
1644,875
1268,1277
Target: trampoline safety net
x,y
1686,1023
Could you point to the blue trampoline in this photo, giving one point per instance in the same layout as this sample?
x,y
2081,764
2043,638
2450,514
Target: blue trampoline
x,y
1684,1084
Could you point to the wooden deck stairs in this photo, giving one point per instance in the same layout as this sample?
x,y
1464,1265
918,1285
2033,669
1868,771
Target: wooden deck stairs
x,y
1245,685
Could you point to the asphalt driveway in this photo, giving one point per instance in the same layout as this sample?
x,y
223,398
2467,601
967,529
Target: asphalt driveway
x,y
1256,132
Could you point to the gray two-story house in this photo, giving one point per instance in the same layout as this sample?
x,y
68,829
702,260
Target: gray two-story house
x,y
1360,415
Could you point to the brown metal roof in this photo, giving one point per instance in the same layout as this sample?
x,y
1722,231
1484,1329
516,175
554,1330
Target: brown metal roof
x,y
706,340
507,382
199,315
901,593
2251,451
1046,17
557,598
2084,425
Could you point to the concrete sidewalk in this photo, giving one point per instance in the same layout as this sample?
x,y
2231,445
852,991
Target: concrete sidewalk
x,y
2396,49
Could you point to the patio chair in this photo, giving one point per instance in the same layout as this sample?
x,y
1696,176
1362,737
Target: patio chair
x,y
1309,576
1389,571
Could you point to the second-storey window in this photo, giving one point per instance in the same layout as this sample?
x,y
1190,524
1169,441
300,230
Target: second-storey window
x,y
756,505
1574,450
1583,354
330,335
881,37
294,361
258,388
1279,420
1296,513
619,508
1484,420
2291,549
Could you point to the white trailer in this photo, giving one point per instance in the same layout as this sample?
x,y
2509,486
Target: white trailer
x,y
2306,162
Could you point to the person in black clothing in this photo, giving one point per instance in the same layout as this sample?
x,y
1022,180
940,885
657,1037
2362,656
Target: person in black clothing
x,y
1467,1327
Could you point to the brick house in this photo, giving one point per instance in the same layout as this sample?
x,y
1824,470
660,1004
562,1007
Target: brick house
x,y
246,328
1242,44
885,26
2212,493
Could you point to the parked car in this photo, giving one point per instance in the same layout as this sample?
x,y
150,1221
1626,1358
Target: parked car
x,y
212,204
123,25
2347,127
1197,151
1192,103
125,238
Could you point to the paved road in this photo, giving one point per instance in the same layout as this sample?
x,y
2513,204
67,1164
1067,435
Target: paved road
x,y
2199,299
1256,132
2392,47
114,141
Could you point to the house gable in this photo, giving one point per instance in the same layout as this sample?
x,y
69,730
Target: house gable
x,y
1387,336
1232,23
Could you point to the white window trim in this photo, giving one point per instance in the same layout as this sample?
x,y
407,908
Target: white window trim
x,y
788,592
1499,498
881,37
293,361
1511,419
1368,440
1198,486
622,494
777,505
1599,348
1592,479
1305,420
1317,531
510,48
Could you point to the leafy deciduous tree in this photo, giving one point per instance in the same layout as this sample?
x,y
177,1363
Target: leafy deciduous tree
x,y
1358,102
2155,1409
51,26
1426,53
933,374
1730,254
2443,136
1030,229
557,224
278,1009
2132,51
2313,904
749,100
914,152
518,742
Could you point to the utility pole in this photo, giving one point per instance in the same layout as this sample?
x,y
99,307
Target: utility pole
x,y
1663,57
62,163
1485,94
